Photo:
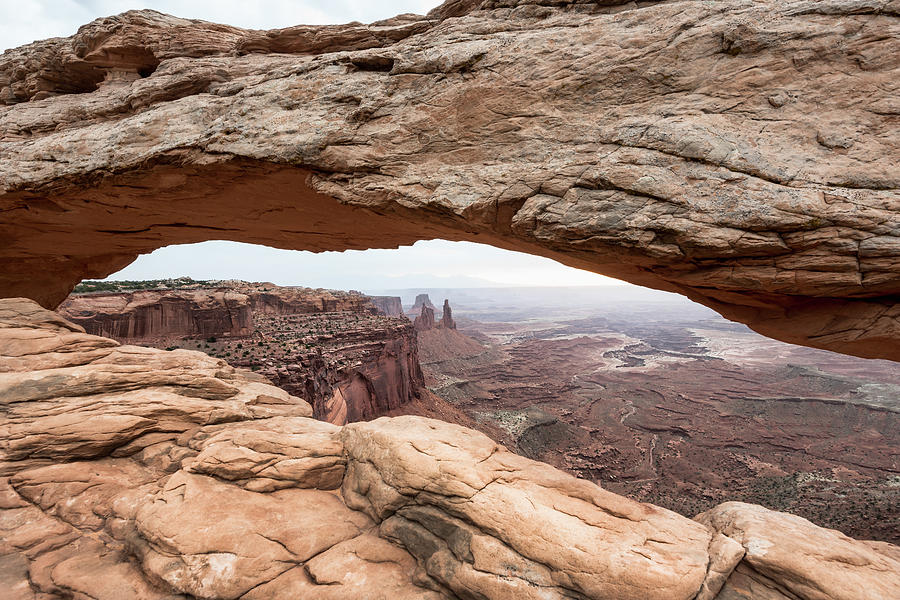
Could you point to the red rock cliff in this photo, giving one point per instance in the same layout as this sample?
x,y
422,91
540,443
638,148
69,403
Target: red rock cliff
x,y
348,366
388,378
225,310
421,300
160,315
331,348
425,320
276,300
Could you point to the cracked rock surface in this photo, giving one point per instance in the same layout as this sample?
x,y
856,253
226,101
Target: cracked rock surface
x,y
743,153
127,478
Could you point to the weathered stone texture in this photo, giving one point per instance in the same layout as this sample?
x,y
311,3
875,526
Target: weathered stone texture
x,y
222,309
741,153
227,489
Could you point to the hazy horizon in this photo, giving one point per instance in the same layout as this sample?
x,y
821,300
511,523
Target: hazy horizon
x,y
426,264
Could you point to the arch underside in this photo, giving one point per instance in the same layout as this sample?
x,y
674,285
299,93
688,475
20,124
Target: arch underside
x,y
705,160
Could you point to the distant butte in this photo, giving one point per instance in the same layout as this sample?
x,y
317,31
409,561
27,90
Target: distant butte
x,y
740,153
422,300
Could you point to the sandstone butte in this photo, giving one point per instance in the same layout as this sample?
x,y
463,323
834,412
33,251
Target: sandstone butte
x,y
424,311
131,472
743,153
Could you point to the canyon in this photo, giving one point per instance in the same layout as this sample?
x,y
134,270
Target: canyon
x,y
336,350
649,397
668,403
740,153
143,473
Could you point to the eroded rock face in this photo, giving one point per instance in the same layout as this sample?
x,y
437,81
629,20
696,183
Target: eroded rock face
x,y
255,537
158,315
326,346
447,321
741,153
241,495
797,558
422,301
503,525
226,310
425,320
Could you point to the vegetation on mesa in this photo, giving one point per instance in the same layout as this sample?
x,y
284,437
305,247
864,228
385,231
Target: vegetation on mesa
x,y
89,286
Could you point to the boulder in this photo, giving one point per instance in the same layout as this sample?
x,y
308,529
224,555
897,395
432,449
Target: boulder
x,y
807,561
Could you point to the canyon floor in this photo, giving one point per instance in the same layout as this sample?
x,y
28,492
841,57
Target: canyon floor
x,y
666,402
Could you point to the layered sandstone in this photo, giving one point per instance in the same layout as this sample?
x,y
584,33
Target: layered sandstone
x,y
270,299
221,309
422,301
348,366
325,346
152,315
134,472
425,320
424,315
741,153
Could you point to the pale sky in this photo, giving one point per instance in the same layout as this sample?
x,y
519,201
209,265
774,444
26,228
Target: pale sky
x,y
24,21
434,263
427,264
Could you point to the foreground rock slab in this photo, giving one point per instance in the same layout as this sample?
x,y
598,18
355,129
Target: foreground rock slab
x,y
480,518
805,560
740,153
229,490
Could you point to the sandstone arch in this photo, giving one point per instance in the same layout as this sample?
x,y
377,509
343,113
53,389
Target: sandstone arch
x,y
741,153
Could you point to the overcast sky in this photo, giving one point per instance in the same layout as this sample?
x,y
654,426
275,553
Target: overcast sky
x,y
435,263
24,21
